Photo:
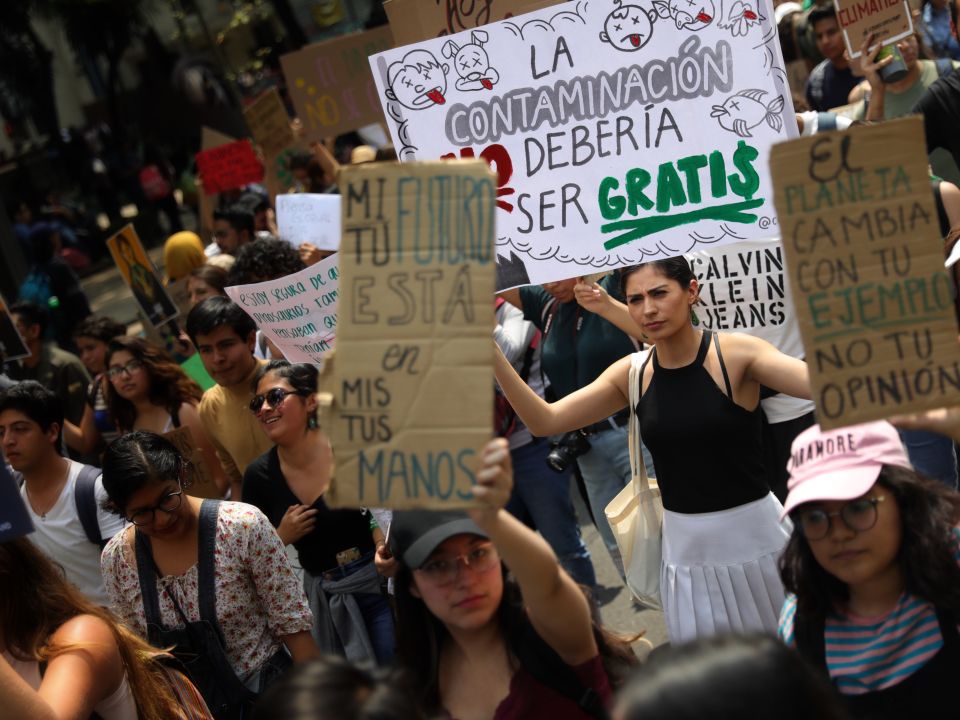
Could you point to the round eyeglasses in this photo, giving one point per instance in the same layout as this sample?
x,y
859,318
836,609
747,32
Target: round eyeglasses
x,y
168,503
126,370
444,570
858,515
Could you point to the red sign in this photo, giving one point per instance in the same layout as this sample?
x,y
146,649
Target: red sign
x,y
228,166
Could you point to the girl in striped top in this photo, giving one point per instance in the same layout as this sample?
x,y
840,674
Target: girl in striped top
x,y
873,572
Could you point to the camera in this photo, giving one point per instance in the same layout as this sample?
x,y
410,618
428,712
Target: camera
x,y
568,448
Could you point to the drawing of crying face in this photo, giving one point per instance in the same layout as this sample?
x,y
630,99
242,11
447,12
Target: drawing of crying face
x,y
418,81
472,62
627,28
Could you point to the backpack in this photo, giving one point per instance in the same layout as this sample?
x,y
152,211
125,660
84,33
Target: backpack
x,y
36,288
85,498
504,416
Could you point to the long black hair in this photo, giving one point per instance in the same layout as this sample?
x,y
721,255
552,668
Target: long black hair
x,y
929,511
301,376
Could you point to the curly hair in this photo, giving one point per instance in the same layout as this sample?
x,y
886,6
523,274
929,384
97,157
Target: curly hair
x,y
929,511
170,386
100,327
264,259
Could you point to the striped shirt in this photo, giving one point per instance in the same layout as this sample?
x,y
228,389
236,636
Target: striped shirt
x,y
866,654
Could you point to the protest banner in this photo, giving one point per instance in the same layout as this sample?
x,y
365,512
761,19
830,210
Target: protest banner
x,y
415,20
308,217
330,83
408,402
865,259
12,345
14,519
141,276
619,134
887,20
297,312
202,485
227,167
206,204
269,123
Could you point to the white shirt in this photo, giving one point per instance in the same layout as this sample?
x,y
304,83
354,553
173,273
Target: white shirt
x,y
59,534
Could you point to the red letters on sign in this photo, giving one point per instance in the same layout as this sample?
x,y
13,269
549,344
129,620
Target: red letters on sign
x,y
228,166
497,157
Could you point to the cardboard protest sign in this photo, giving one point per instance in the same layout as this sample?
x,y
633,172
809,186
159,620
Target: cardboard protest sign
x,y
619,133
12,345
14,519
865,258
409,394
330,83
297,312
206,204
228,166
415,20
141,276
308,217
203,485
888,20
269,123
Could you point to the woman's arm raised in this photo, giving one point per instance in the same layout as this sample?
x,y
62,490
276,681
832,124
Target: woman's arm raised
x,y
556,606
772,368
598,400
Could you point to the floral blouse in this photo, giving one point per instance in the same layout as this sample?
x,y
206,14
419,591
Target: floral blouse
x,y
258,597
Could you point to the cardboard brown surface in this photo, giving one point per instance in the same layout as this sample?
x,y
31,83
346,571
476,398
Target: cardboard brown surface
x,y
209,139
410,390
415,20
865,260
888,20
12,345
331,85
203,485
269,123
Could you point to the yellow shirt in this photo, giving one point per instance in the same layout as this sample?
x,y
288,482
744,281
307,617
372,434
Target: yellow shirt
x,y
235,431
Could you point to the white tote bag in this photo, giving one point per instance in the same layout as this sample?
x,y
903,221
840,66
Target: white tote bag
x,y
636,513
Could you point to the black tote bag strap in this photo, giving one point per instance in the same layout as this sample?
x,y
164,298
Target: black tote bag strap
x,y
206,568
147,574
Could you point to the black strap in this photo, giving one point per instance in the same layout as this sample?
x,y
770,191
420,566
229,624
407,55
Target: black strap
x,y
546,667
944,66
723,367
808,637
175,416
85,497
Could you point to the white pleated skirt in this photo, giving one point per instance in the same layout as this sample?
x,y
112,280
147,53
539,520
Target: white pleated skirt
x,y
719,571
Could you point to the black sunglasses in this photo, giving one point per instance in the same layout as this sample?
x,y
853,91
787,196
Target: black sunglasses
x,y
274,396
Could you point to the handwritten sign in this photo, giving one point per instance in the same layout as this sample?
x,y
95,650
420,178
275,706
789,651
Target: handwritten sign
x,y
888,20
14,519
330,83
866,271
619,134
269,123
12,346
141,276
415,20
202,485
297,312
228,167
307,217
410,387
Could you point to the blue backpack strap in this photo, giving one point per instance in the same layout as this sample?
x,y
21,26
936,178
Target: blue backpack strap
x,y
206,567
85,497
944,66
826,121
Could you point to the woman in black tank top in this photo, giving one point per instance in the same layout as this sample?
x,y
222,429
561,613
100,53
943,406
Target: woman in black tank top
x,y
699,417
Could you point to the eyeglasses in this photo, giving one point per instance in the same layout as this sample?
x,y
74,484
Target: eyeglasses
x,y
445,570
274,396
129,369
168,503
858,515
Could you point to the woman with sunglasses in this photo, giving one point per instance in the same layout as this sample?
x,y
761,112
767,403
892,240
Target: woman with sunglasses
x,y
489,625
873,572
147,390
210,578
336,548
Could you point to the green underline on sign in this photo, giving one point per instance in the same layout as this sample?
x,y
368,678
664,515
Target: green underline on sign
x,y
875,326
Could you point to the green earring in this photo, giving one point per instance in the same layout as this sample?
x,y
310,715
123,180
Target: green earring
x,y
693,317
312,422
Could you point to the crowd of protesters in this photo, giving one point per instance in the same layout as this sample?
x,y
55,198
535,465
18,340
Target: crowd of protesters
x,y
185,564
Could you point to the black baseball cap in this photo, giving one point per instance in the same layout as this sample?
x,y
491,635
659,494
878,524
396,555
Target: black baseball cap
x,y
415,534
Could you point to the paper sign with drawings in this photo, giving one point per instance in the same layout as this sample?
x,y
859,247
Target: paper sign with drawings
x,y
620,132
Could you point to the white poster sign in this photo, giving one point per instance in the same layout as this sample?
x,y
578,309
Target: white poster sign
x,y
308,217
620,131
297,312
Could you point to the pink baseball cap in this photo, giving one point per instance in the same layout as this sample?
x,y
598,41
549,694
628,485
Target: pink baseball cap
x,y
840,464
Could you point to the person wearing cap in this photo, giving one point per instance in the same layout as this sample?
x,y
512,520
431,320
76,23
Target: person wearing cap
x,y
480,643
873,572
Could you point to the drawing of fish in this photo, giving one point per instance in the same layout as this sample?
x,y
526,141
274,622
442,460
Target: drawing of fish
x,y
742,112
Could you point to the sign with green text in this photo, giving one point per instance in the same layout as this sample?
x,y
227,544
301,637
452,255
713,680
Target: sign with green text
x,y
619,133
409,399
865,259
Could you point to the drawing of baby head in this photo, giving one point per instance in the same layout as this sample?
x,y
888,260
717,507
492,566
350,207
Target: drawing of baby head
x,y
628,28
472,63
687,14
418,80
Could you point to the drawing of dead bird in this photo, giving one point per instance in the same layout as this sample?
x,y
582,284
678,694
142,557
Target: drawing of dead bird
x,y
742,112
